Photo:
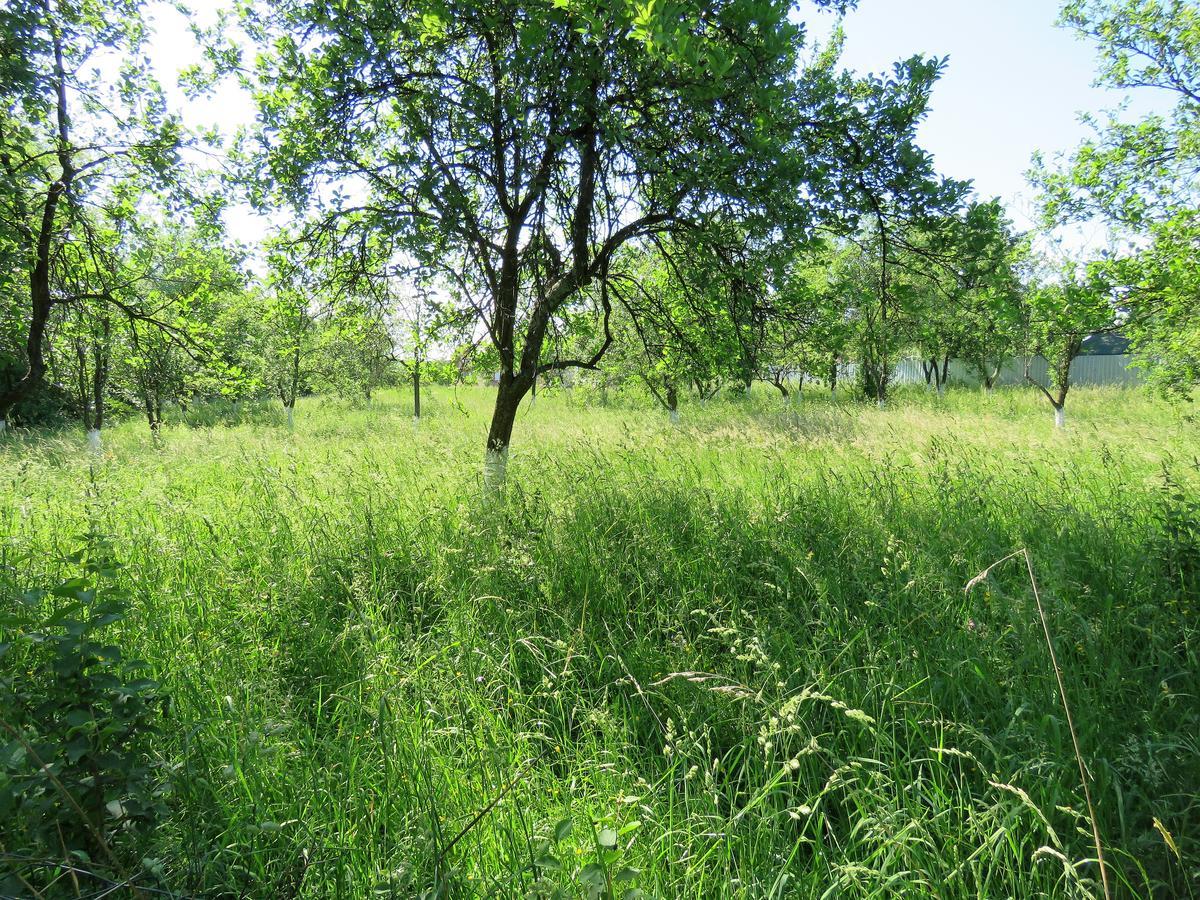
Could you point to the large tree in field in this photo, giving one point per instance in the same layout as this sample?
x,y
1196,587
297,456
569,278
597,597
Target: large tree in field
x,y
515,146
79,106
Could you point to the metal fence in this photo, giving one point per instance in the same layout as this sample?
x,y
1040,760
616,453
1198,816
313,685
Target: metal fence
x,y
1116,369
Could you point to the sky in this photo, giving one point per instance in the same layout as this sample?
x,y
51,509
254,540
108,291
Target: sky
x,y
1015,83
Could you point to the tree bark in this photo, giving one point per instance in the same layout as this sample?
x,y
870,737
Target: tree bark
x,y
508,399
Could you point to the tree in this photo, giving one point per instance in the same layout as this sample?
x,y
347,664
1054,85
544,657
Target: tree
x,y
62,128
358,348
967,293
515,147
188,278
1143,178
673,325
1061,314
892,194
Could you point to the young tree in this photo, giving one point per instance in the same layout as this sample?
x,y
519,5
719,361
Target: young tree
x,y
1061,314
183,281
966,292
893,193
1143,177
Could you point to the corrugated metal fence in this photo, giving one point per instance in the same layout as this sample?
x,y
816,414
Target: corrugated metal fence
x,y
1116,369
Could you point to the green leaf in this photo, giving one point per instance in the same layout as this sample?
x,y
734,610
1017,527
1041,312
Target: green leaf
x,y
563,830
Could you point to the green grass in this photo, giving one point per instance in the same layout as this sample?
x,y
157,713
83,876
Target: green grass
x,y
748,634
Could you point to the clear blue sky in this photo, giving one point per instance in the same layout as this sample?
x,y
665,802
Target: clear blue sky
x,y
1015,83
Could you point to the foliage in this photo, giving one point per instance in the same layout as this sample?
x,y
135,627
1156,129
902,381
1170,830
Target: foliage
x,y
1141,177
76,778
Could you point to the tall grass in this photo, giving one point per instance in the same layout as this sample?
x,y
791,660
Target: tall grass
x,y
736,654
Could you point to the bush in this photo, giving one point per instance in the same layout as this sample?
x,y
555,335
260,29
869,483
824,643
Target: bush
x,y
46,405
76,718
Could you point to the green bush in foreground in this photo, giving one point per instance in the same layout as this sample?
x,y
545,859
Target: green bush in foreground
x,y
735,655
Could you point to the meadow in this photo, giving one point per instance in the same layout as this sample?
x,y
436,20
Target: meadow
x,y
733,657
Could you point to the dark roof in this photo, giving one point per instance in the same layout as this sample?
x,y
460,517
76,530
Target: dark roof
x,y
1105,344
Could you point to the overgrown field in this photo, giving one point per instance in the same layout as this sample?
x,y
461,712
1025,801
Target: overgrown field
x,y
735,655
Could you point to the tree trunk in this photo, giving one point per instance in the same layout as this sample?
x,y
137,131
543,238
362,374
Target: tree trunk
x,y
1060,417
291,416
508,399
673,404
416,379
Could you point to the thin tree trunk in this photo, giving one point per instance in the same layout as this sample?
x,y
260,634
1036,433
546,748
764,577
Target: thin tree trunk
x,y
416,379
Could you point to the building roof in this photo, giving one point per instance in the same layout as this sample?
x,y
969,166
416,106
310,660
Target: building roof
x,y
1105,344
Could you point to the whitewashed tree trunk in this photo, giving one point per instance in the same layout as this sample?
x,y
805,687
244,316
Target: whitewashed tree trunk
x,y
1060,417
495,466
941,389
416,422
3,426
291,418
94,443
674,417
882,404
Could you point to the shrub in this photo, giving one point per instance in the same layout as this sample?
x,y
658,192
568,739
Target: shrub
x,y
75,719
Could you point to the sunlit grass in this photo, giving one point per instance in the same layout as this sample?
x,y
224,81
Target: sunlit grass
x,y
747,633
